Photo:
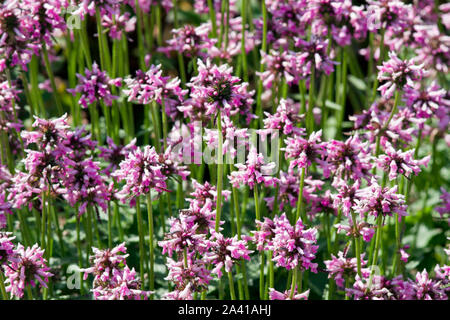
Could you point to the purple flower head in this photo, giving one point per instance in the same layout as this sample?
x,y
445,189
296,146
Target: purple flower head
x,y
349,159
7,253
341,267
294,246
17,44
276,295
195,275
444,208
5,208
95,87
214,89
287,192
387,14
424,102
264,235
400,162
375,200
200,213
224,252
314,52
254,171
427,288
117,23
85,186
105,262
398,74
8,95
288,19
433,47
362,229
113,279
190,41
150,86
80,143
203,192
48,19
114,154
280,66
88,7
126,286
170,166
285,118
141,171
362,291
47,132
29,269
305,151
182,236
345,199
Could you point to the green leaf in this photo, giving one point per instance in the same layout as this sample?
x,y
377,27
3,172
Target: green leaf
x,y
357,83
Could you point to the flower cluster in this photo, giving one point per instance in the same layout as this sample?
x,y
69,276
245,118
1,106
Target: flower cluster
x,y
113,279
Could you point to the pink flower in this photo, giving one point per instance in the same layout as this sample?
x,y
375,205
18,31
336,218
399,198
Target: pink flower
x,y
95,87
314,53
255,171
126,286
193,277
141,171
349,159
286,118
362,291
190,41
424,102
7,254
398,74
113,279
182,236
118,23
151,86
363,229
114,154
397,162
29,269
203,192
276,295
225,252
341,267
85,186
214,89
294,246
428,289
375,200
305,151
104,262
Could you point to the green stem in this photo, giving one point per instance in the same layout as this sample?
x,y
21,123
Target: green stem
x,y
52,79
300,197
310,113
357,245
151,274
219,171
141,236
231,284
377,248
212,17
2,286
294,283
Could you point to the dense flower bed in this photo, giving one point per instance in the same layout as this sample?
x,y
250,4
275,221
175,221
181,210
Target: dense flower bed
x,y
277,149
